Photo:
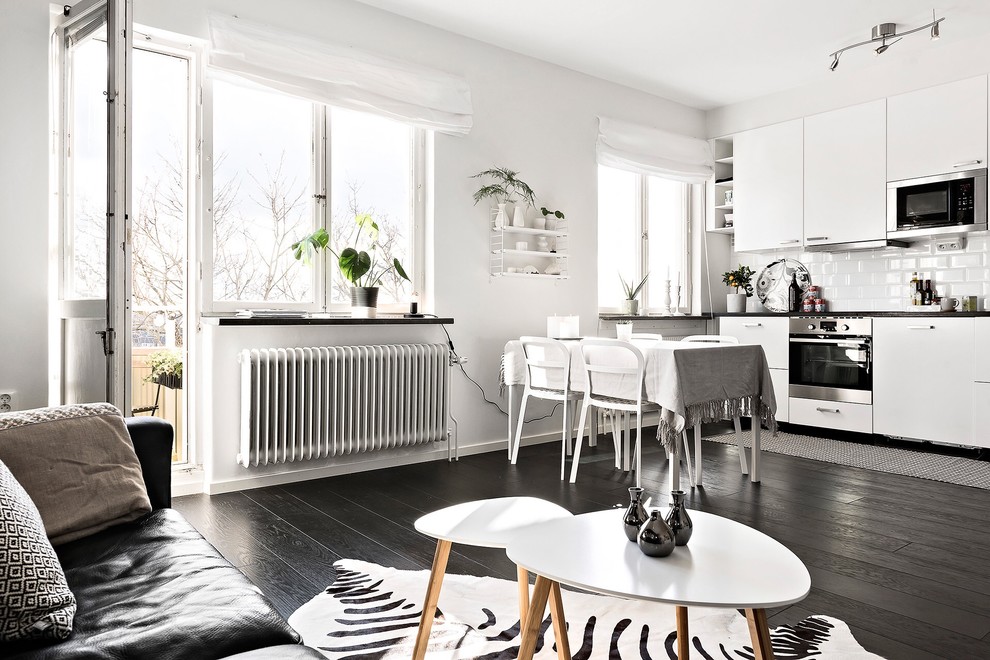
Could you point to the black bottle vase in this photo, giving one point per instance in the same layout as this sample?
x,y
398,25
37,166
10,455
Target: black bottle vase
x,y
655,538
678,519
636,514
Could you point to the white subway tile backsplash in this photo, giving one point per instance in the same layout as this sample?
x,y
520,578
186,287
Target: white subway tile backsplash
x,y
962,260
879,280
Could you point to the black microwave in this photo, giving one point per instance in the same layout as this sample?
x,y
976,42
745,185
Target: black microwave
x,y
953,203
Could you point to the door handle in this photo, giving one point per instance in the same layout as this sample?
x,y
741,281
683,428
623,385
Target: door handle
x,y
752,325
921,327
108,337
828,410
791,242
967,163
817,238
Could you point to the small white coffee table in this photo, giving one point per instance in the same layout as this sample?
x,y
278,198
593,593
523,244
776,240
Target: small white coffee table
x,y
490,524
726,564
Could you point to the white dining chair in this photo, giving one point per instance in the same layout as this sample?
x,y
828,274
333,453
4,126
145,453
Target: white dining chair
x,y
645,336
615,383
714,339
548,376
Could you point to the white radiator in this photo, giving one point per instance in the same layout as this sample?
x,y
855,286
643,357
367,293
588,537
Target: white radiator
x,y
300,404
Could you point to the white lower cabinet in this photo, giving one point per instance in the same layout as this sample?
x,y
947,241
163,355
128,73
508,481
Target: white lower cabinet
x,y
981,414
770,332
780,384
832,415
923,378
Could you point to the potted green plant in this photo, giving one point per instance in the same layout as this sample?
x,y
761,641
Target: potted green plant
x,y
630,305
505,186
550,218
358,262
166,368
739,278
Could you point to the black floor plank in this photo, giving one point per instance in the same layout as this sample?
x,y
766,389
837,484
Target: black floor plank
x,y
900,560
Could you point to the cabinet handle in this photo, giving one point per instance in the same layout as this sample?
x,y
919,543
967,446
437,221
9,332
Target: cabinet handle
x,y
828,410
921,327
789,242
752,325
967,163
817,238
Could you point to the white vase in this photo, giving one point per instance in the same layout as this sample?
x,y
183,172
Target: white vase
x,y
540,222
500,217
735,303
518,216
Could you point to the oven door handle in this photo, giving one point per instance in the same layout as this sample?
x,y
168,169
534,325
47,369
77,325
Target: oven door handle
x,y
841,343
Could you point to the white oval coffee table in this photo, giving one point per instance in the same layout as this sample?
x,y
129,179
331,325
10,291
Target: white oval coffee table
x,y
726,564
491,524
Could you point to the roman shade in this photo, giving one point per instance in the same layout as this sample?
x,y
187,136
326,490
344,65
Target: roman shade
x,y
339,75
647,150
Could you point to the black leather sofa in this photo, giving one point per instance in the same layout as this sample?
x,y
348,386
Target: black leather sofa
x,y
155,588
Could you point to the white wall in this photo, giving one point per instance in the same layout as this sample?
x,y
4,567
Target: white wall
x,y
534,117
24,202
859,79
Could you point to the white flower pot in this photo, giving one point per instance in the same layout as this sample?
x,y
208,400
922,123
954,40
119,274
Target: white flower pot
x,y
735,303
629,307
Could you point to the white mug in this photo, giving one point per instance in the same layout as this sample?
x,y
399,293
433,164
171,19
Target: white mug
x,y
949,304
522,245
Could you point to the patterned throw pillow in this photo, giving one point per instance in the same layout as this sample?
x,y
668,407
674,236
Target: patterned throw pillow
x,y
35,600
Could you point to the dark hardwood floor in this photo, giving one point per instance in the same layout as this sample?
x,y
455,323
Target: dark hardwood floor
x,y
904,561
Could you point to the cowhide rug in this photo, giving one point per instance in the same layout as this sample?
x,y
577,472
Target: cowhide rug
x,y
372,611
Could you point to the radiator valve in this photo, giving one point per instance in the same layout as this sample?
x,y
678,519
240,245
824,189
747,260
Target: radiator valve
x,y
457,359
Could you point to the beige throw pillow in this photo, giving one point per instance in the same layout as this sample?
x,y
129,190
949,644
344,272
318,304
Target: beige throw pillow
x,y
78,465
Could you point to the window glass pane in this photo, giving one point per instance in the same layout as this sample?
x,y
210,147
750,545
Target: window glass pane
x,y
371,173
617,240
86,270
262,195
667,223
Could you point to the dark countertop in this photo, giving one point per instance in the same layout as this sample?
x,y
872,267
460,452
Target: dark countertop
x,y
864,314
654,317
383,319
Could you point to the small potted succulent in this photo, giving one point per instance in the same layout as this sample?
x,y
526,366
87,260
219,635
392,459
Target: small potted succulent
x,y
630,306
739,278
550,218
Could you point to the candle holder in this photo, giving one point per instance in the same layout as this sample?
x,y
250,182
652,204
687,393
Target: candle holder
x,y
666,298
677,309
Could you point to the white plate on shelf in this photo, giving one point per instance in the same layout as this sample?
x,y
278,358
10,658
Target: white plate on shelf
x,y
773,281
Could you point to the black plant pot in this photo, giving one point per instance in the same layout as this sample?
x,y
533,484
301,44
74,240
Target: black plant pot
x,y
364,296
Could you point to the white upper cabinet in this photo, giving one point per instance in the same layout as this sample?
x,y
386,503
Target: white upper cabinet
x,y
768,186
937,130
845,175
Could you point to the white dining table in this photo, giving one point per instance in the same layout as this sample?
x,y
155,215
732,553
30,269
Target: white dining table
x,y
693,383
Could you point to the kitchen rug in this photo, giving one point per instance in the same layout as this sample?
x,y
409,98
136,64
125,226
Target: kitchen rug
x,y
925,465
372,611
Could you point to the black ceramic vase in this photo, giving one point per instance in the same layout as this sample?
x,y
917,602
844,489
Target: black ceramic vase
x,y
678,519
655,538
635,515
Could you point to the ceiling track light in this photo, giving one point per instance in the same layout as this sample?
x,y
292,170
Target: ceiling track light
x,y
884,36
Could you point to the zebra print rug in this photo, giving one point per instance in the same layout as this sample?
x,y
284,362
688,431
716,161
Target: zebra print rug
x,y
372,612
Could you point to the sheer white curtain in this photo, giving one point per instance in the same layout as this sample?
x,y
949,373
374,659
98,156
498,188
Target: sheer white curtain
x,y
647,150
340,75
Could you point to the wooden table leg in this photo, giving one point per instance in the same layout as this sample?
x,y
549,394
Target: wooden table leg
x,y
432,596
523,577
559,623
531,629
759,632
683,634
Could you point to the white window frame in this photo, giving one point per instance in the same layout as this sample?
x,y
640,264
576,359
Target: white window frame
x,y
324,268
641,229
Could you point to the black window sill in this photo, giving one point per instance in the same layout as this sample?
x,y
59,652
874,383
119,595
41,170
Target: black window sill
x,y
333,319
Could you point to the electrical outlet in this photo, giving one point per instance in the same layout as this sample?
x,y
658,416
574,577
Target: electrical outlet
x,y
6,401
949,244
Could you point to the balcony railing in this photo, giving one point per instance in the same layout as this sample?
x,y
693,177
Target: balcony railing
x,y
169,406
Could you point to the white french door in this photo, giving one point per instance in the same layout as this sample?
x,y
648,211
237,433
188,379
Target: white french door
x,y
92,171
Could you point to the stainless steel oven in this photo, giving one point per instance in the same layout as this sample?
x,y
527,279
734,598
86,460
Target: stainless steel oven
x,y
831,358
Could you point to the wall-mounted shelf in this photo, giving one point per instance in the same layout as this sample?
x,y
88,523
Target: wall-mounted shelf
x,y
722,185
505,256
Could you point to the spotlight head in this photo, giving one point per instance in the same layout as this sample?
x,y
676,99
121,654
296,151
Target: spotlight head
x,y
835,64
935,35
881,49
